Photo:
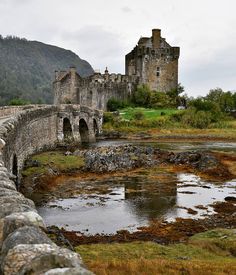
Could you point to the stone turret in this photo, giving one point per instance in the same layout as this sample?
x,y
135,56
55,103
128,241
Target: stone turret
x,y
155,62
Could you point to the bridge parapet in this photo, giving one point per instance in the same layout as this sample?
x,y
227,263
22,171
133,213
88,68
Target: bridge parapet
x,y
24,247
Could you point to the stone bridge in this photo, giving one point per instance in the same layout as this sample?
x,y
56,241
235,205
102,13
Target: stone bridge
x,y
30,129
24,247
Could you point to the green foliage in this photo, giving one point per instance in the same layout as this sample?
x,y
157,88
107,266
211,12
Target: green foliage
x,y
128,113
108,117
197,119
175,98
144,97
27,69
139,115
115,104
225,100
159,100
141,96
54,160
201,104
18,102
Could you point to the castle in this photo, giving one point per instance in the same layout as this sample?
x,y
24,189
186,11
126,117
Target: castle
x,y
152,62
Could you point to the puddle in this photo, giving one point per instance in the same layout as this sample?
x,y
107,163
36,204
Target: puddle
x,y
130,202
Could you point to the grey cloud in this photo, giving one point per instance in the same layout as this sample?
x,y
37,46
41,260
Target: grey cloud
x,y
208,74
126,9
98,45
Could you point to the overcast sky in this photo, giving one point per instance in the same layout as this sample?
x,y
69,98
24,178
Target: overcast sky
x,y
103,31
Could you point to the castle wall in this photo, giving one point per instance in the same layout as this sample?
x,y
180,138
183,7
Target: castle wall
x,y
93,91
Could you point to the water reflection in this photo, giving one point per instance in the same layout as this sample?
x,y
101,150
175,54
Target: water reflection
x,y
150,200
130,202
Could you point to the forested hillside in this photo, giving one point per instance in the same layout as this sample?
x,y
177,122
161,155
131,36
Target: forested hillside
x,y
27,69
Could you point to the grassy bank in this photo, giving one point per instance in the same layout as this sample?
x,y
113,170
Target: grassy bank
x,y
165,123
55,161
212,252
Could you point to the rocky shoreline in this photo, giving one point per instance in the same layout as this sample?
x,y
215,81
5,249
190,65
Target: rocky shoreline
x,y
127,157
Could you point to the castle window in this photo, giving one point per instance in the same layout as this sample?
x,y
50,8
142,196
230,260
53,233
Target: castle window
x,y
158,71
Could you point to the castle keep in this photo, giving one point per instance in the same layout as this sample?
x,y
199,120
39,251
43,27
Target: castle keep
x,y
152,62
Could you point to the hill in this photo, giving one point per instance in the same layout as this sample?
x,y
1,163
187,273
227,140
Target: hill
x,y
27,69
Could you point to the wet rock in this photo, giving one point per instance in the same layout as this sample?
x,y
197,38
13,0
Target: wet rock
x,y
38,258
16,220
125,157
111,135
184,158
2,144
7,192
32,163
55,262
25,235
9,208
68,153
16,200
230,199
7,184
207,162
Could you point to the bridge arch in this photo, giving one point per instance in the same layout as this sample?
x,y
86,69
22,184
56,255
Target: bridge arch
x,y
83,130
67,129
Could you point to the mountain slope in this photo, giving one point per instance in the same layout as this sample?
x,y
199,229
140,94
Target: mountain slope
x,y
27,69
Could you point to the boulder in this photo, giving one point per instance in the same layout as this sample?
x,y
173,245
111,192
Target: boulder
x,y
38,258
24,235
14,207
16,200
16,220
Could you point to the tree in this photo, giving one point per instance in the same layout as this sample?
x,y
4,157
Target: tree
x,y
142,96
175,97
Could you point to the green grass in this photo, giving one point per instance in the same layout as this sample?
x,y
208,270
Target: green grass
x,y
200,256
55,160
128,113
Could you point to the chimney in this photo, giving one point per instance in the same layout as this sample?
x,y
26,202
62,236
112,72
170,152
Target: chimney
x,y
73,69
156,38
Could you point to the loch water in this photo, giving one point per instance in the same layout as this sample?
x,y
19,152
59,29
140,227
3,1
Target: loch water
x,y
129,201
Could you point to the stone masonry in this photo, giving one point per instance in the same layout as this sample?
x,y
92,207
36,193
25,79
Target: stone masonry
x,y
152,62
24,247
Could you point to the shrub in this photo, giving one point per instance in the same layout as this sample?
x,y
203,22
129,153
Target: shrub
x,y
115,104
141,96
138,115
108,117
18,102
197,119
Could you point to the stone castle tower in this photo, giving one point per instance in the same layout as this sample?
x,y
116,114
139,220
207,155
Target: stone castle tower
x,y
152,62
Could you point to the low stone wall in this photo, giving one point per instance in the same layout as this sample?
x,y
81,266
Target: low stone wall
x,y
24,246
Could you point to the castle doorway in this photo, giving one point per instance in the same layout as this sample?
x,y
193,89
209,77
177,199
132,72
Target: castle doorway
x,y
67,129
83,130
